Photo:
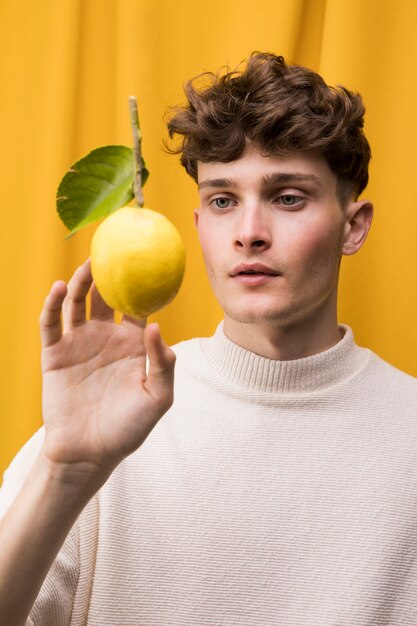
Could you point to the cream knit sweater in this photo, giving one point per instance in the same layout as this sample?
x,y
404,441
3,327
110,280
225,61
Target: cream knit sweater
x,y
273,493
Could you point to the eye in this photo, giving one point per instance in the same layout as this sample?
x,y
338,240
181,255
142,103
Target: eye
x,y
221,203
289,199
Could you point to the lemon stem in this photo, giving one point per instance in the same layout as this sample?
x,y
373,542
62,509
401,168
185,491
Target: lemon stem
x,y
137,140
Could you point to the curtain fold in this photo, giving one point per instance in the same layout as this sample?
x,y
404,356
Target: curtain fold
x,y
67,68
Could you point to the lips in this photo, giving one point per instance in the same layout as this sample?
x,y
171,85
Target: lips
x,y
253,268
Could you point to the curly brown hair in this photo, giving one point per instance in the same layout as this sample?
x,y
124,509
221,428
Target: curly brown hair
x,y
278,108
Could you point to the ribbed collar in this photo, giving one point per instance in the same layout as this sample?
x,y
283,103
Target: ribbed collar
x,y
309,374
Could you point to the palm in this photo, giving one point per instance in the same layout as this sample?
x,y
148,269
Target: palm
x,y
97,402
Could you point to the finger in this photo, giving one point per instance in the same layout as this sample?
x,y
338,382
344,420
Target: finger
x,y
99,309
50,318
74,307
160,378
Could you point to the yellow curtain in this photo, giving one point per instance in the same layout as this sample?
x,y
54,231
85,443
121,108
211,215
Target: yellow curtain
x,y
67,69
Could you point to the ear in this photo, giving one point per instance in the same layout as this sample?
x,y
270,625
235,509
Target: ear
x,y
196,216
358,222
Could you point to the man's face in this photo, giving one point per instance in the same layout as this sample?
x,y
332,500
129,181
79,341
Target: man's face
x,y
271,231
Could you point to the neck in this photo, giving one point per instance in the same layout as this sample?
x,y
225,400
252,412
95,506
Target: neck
x,y
285,342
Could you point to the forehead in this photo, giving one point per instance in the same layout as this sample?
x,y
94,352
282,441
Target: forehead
x,y
254,168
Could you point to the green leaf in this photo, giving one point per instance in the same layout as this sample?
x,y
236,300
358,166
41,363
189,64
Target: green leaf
x,y
97,185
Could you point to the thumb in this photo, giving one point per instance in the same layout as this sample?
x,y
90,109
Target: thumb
x,y
160,379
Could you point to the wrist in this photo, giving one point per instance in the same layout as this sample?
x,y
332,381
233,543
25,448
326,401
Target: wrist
x,y
77,476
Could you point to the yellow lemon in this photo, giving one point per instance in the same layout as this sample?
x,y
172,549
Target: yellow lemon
x,y
137,261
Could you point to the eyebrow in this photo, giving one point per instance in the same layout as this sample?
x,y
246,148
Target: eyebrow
x,y
268,180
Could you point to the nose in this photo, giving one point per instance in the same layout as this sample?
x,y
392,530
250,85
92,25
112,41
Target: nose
x,y
252,230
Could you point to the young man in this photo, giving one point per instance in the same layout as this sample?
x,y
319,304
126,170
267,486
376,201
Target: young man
x,y
280,486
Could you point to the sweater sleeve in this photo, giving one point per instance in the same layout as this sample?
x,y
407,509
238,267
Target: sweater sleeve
x,y
53,605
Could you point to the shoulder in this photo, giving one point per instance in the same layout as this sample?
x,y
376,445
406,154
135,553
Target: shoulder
x,y
188,347
19,469
389,380
190,355
390,371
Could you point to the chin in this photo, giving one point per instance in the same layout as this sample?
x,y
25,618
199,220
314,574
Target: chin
x,y
259,315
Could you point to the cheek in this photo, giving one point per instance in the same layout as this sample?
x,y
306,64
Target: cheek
x,y
206,245
210,247
319,248
212,241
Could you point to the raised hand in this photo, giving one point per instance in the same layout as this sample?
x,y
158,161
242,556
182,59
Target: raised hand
x,y
99,402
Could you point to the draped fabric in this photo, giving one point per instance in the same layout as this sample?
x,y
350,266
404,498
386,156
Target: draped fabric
x,y
67,69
